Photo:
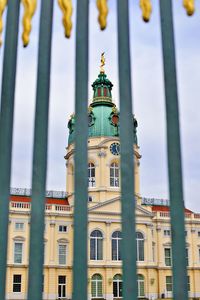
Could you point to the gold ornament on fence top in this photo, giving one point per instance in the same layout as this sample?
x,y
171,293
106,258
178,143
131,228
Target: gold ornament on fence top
x,y
29,9
146,8
66,7
103,12
189,6
3,4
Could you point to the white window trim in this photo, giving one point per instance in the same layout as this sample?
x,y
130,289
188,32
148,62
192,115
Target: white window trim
x,y
117,239
168,257
96,287
96,243
62,285
167,235
19,242
118,290
16,283
115,167
19,229
63,226
63,244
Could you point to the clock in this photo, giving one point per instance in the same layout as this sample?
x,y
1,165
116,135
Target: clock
x,y
115,148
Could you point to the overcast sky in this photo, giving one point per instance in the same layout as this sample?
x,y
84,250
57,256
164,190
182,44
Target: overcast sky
x,y
148,96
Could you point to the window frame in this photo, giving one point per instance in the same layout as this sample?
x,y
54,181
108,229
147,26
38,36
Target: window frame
x,y
91,171
98,246
168,258
59,254
96,283
14,252
140,282
169,284
115,177
140,256
62,226
17,283
118,242
118,281
20,228
167,232
61,285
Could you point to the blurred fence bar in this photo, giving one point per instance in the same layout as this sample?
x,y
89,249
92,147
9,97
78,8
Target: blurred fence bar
x,y
81,135
80,281
174,154
40,153
6,129
127,164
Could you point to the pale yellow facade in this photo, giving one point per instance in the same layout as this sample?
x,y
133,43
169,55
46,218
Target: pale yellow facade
x,y
104,217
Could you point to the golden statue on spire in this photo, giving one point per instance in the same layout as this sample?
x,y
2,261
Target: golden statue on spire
x,y
102,62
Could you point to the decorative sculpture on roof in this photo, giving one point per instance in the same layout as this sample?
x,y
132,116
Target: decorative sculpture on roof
x,y
103,60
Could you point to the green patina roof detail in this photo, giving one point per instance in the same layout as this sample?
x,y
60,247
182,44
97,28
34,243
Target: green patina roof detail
x,y
103,116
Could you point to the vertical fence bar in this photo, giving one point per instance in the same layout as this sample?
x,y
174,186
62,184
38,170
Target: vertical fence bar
x,y
127,155
40,153
174,154
6,129
81,135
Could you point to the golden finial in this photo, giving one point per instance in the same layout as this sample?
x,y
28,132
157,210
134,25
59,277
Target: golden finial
x,y
66,7
189,6
103,12
102,63
29,9
146,8
3,4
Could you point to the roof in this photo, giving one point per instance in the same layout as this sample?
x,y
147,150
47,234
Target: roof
x,y
59,201
166,208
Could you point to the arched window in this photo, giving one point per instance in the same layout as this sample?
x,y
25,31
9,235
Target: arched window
x,y
117,286
114,175
96,286
91,175
140,246
140,284
116,245
96,245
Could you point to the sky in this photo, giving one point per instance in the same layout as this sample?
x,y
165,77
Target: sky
x,y
147,87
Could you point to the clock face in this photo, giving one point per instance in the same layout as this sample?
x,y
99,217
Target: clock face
x,y
115,148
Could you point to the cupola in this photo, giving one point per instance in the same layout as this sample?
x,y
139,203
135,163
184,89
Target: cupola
x,y
103,115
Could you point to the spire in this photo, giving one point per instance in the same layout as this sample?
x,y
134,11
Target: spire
x,y
102,86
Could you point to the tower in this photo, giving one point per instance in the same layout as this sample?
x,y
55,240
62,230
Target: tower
x,y
103,145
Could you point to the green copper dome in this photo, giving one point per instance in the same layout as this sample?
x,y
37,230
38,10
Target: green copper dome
x,y
103,116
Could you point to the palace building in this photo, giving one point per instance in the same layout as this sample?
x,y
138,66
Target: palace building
x,y
153,232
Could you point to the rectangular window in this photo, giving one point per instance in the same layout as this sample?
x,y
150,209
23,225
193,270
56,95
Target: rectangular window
x,y
62,254
167,232
187,257
153,252
168,260
18,252
61,287
62,228
188,283
19,226
169,285
43,283
17,283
